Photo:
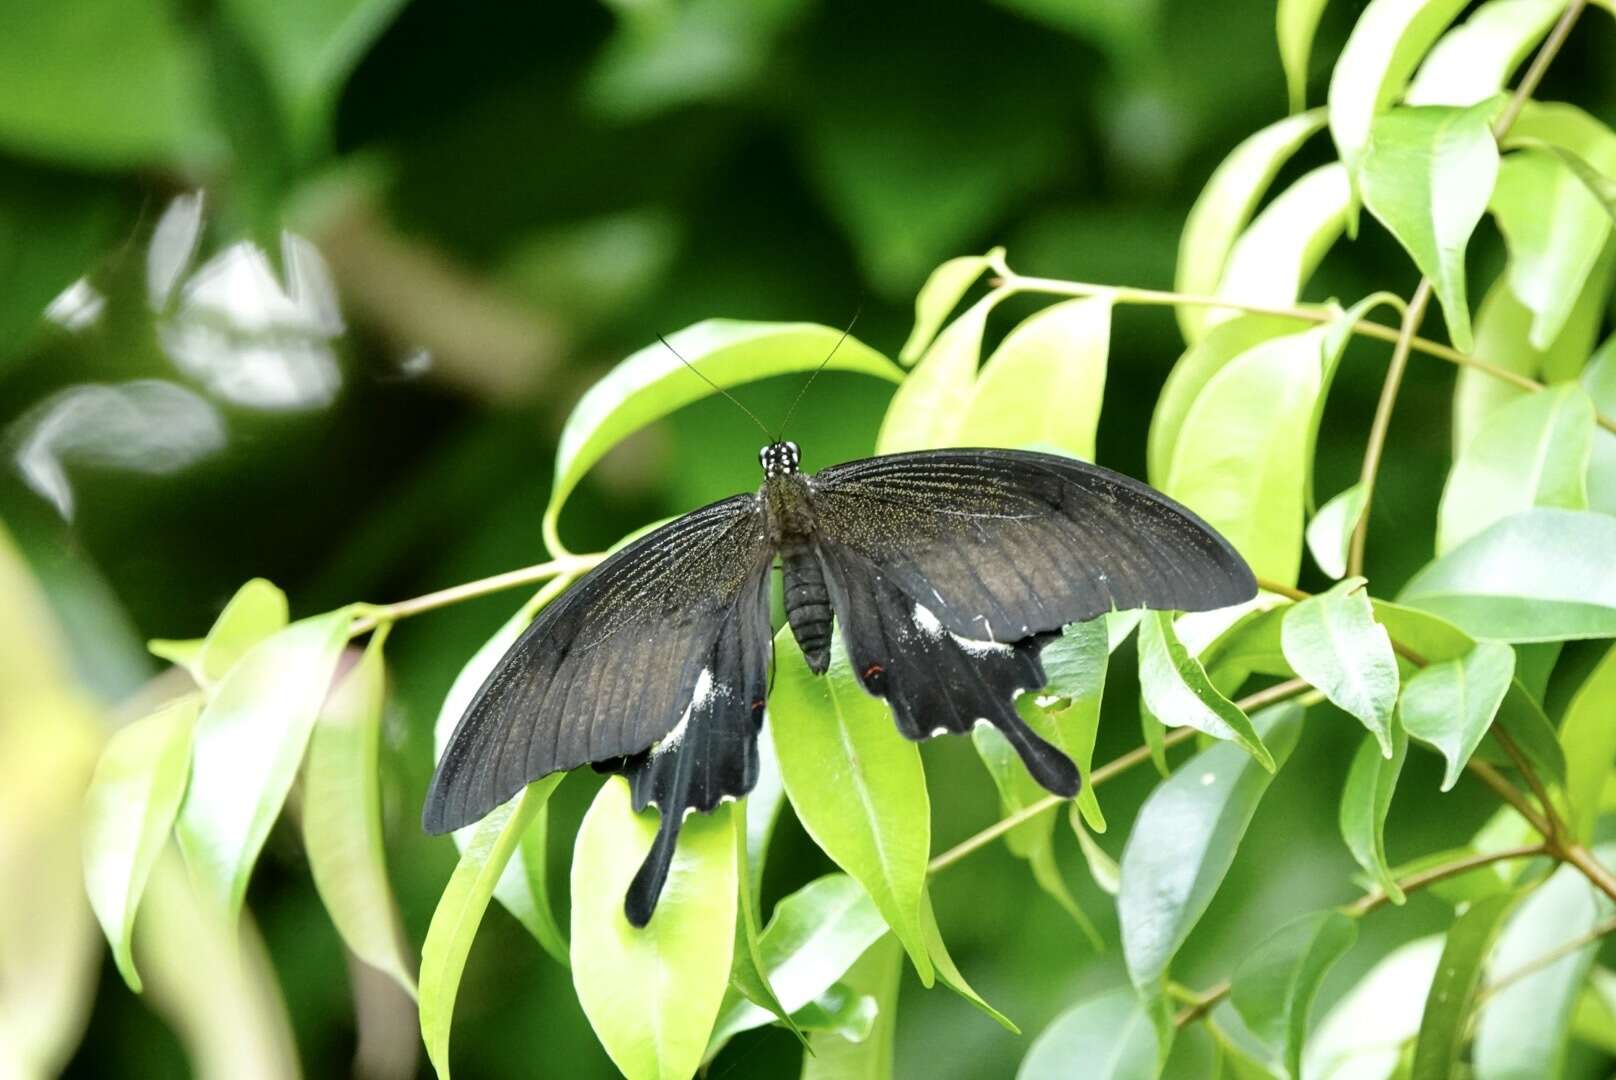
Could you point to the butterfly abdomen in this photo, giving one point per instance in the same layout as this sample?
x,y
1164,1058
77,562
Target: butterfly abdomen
x,y
808,607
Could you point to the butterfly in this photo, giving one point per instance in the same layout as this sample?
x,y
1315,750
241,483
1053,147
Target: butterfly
x,y
945,572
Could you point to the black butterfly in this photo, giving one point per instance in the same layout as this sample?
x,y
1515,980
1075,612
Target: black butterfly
x,y
946,571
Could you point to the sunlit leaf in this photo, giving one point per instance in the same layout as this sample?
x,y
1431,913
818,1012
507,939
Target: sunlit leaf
x,y
1599,185
1365,800
1530,452
256,611
1589,739
128,813
1386,1001
1541,575
927,409
652,994
856,785
652,383
1178,693
1333,641
936,299
1295,22
1274,986
1453,990
1210,353
1385,45
1473,61
1427,174
1226,203
1044,383
835,1057
460,911
1524,1026
1184,841
750,972
1450,705
248,744
814,936
1599,380
1278,252
1110,1034
342,818
1329,534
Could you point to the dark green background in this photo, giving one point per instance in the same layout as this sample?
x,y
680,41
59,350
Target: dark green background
x,y
606,181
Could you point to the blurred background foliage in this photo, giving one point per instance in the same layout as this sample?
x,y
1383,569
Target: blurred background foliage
x,y
422,230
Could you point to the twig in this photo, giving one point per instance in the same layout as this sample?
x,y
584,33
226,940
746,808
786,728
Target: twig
x,y
372,615
1506,791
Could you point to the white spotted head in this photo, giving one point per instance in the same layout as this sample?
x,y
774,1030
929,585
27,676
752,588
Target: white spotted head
x,y
779,458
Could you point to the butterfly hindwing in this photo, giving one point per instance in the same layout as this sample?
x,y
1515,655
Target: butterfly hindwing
x,y
610,667
1004,544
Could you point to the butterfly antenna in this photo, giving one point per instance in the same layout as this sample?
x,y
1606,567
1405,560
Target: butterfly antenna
x,y
810,380
761,426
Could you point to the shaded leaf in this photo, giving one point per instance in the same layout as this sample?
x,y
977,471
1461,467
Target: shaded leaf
x,y
247,746
128,812
839,751
1540,575
1386,1001
1333,641
1110,1034
1177,691
834,1057
653,994
1450,705
1365,800
947,972
1274,986
750,973
1589,739
1329,534
1044,383
1599,380
1225,205
1453,990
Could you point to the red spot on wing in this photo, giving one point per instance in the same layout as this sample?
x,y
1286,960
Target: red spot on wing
x,y
873,670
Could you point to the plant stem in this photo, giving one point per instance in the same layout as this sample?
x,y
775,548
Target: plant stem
x,y
1282,589
1115,767
1548,959
1383,420
1506,791
373,615
1369,902
1539,67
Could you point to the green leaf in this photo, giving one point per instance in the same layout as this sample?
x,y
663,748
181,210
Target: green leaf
x,y
256,611
652,995
1277,253
1333,641
1589,739
1473,61
102,84
1382,51
1599,380
856,785
1387,1002
1524,1025
246,749
835,1057
1075,664
1329,534
1210,353
524,886
1226,204
1178,693
1541,575
1295,23
1110,1034
947,972
1556,230
937,299
927,409
1453,990
128,812
1044,383
841,1012
1451,704
1599,185
815,935
750,974
308,49
1241,461
460,911
342,818
1365,800
1274,986
1530,452
652,383
1184,841
1427,174
1102,867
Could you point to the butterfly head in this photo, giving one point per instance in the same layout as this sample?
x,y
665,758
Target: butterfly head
x,y
779,458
